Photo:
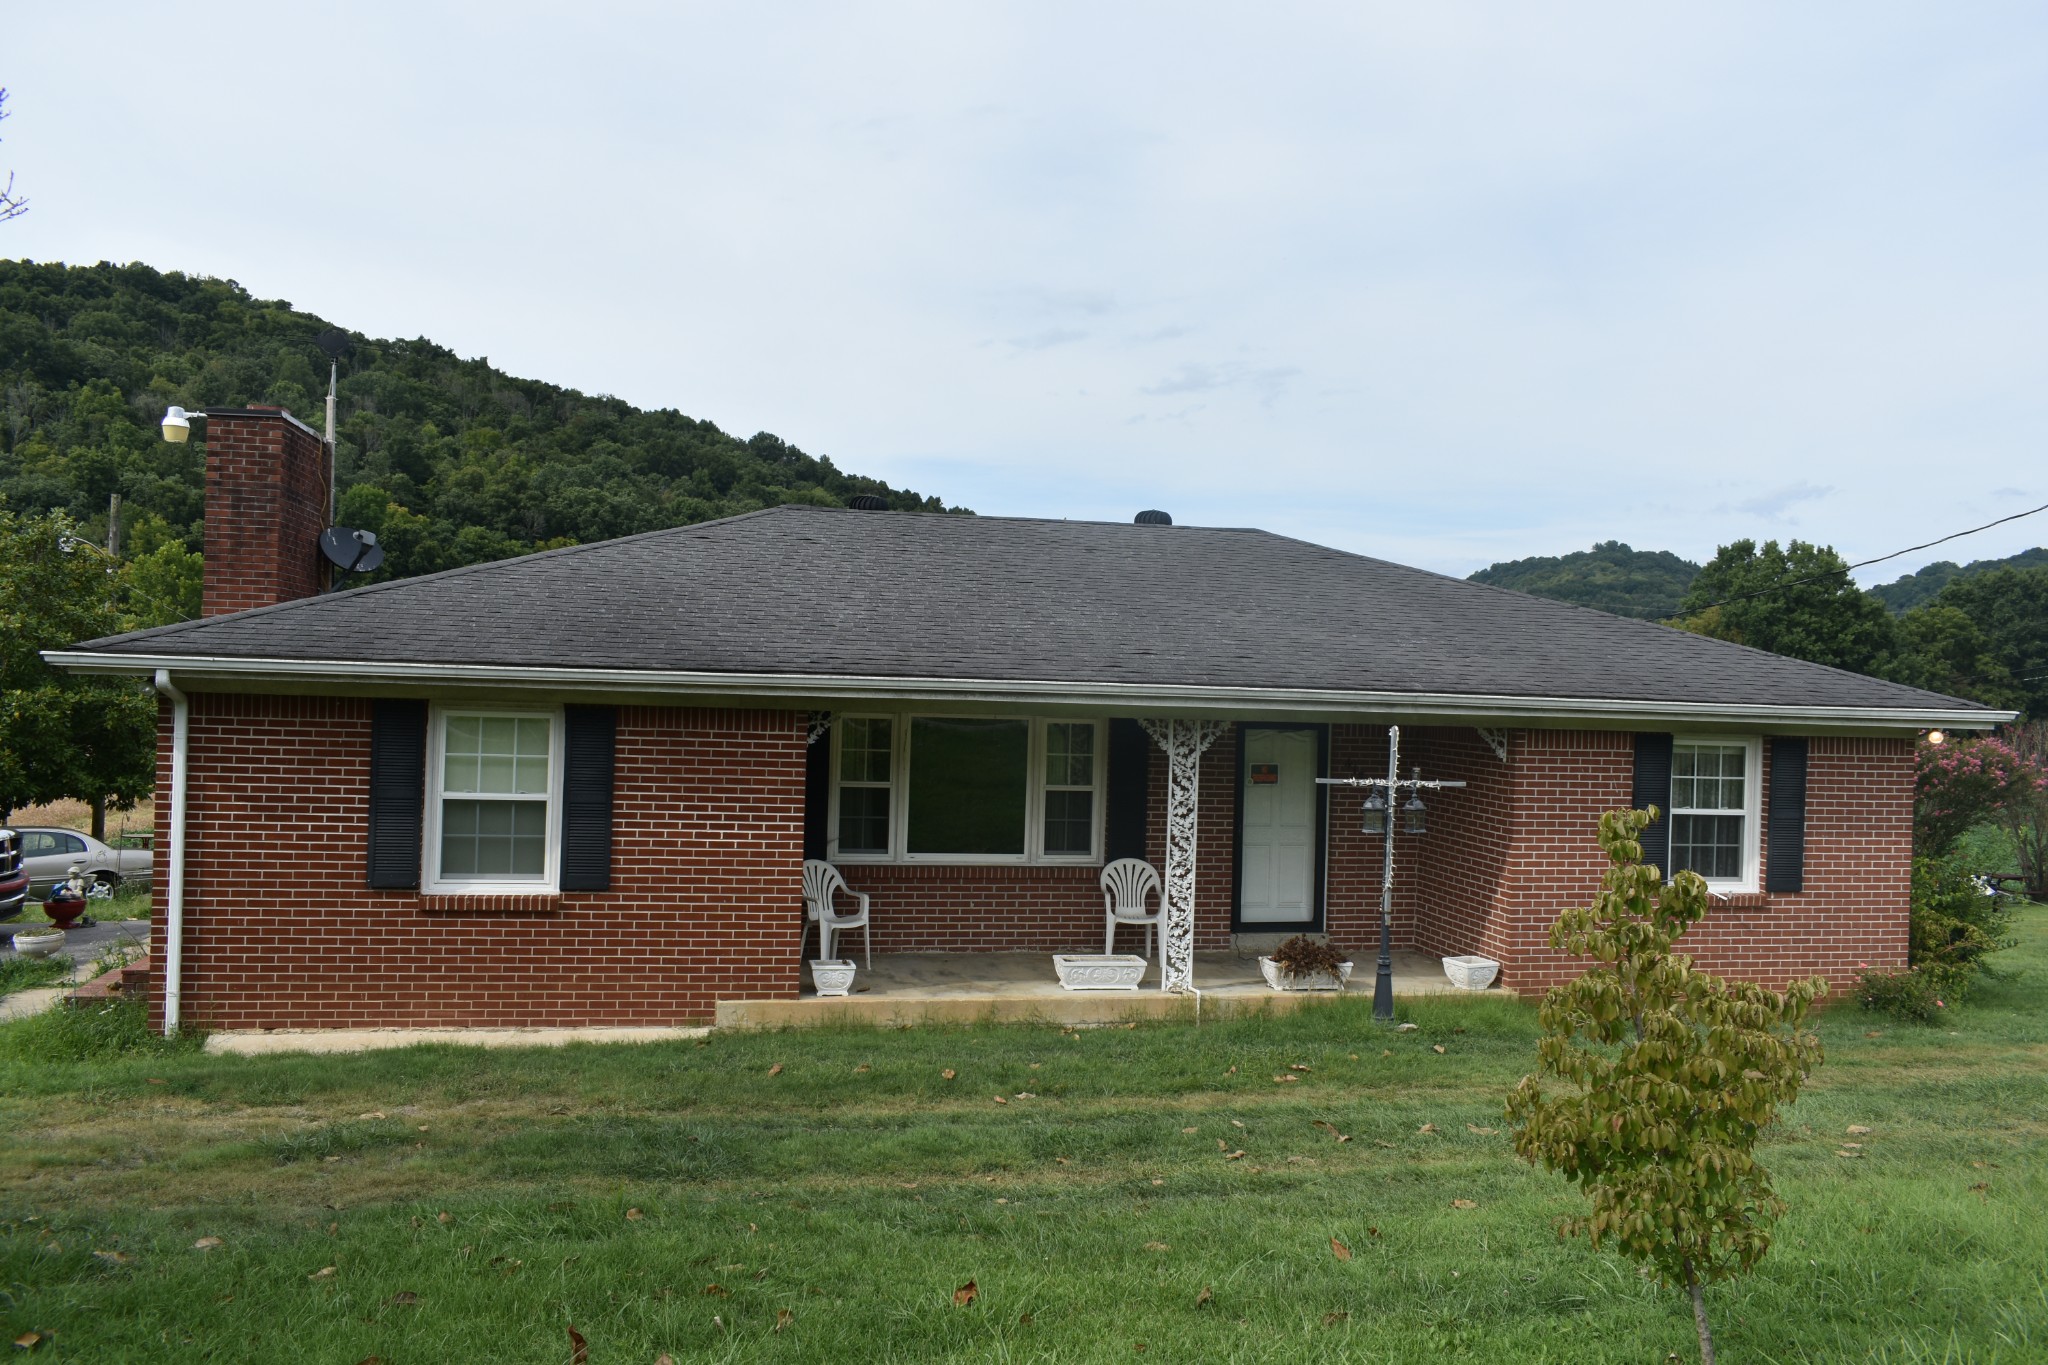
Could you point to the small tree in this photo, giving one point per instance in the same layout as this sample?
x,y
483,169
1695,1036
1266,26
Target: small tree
x,y
1673,1076
1960,784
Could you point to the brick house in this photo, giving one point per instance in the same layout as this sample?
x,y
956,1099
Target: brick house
x,y
577,788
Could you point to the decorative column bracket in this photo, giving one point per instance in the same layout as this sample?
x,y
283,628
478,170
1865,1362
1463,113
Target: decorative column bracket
x,y
1496,740
1184,742
820,726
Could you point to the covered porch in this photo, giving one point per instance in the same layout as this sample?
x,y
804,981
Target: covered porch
x,y
913,988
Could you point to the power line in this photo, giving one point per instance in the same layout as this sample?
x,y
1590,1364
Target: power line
x,y
1862,563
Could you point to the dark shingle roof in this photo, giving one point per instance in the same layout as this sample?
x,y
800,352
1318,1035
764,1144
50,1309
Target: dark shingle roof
x,y
805,590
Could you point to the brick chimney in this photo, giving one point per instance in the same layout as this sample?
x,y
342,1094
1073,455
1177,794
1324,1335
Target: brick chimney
x,y
267,478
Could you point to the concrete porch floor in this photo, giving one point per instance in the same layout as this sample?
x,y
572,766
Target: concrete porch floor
x,y
909,988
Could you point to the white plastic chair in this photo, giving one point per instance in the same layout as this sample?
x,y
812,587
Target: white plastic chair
x,y
1125,884
821,880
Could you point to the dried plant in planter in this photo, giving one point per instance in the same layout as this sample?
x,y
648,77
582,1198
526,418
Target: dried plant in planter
x,y
1302,957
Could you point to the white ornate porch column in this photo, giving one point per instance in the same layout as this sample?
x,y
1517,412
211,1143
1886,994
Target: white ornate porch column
x,y
1184,741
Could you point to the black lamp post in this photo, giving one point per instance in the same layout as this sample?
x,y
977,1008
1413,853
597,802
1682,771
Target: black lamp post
x,y
1381,794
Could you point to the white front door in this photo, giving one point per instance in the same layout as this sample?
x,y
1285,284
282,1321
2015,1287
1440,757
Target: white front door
x,y
1277,856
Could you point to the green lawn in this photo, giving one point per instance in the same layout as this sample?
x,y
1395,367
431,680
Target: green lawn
x,y
687,1198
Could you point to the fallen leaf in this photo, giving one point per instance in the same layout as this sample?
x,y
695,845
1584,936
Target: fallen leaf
x,y
1190,1130
664,1359
1002,1201
1343,1137
861,1070
1025,1319
444,1218
325,1272
1322,1123
1332,1319
1156,1246
1233,1156
1026,1095
718,1322
1354,1056
1221,1145
404,1298
112,1257
949,1073
28,1341
783,1318
1483,1132
579,1349
1853,1156
1381,1142
423,1128
1237,1123
207,1244
1386,1052
1874,1033
1062,1160
634,1215
1299,1066
1158,1182
157,1080
1463,1204
1857,1130
775,1070
965,1294
1372,1232
371,1360
1001,1100
1437,1048
1205,1298
373,1114
1339,1250
1406,1028
1287,1078
1853,1146
1140,1347
1231,1072
1427,1128
717,1291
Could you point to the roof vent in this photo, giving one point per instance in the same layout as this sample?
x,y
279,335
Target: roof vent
x,y
867,502
1152,517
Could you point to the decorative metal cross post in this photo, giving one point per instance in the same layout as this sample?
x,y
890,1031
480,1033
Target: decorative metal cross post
x,y
1184,741
1379,819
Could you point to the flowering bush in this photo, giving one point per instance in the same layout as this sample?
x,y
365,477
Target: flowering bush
x,y
1961,784
1920,994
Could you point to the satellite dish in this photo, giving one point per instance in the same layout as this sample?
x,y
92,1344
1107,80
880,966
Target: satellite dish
x,y
335,342
351,551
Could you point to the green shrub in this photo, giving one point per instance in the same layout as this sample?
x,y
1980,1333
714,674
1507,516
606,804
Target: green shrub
x,y
1918,993
1955,926
93,1033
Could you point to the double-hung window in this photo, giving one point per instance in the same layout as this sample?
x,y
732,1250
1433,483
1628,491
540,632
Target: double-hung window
x,y
493,794
1714,789
967,789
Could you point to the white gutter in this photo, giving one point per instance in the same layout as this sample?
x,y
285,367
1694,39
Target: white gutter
x,y
1155,699
174,898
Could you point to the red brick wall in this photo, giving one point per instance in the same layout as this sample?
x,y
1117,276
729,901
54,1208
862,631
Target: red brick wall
x,y
281,931
266,505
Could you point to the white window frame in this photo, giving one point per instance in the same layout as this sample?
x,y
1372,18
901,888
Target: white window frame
x,y
1034,797
1752,808
431,881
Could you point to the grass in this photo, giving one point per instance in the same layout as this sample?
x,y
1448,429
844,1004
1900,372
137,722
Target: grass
x,y
129,902
683,1198
25,973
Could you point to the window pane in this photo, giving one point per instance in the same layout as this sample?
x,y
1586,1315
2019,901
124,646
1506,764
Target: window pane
x,y
494,839
967,785
501,754
1069,755
1069,822
863,819
864,749
1708,776
1710,845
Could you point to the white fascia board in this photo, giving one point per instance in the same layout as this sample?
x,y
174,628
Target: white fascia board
x,y
799,690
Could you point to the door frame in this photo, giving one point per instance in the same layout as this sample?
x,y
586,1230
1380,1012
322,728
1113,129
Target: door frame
x,y
1313,925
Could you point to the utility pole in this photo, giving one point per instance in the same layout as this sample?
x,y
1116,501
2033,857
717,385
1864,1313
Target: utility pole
x,y
114,525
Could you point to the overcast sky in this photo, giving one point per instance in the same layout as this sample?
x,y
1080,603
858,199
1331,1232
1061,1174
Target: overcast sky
x,y
1443,283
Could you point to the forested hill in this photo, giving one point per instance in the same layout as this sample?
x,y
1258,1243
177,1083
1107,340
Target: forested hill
x,y
1916,588
1610,576
451,461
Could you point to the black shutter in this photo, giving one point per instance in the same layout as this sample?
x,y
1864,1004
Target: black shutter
x,y
818,797
1128,790
398,792
1653,788
589,741
1785,856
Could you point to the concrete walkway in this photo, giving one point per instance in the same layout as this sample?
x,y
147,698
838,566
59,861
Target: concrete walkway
x,y
82,946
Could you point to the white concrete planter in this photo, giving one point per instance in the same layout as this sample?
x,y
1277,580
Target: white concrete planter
x,y
1099,971
38,942
1321,981
1471,973
832,976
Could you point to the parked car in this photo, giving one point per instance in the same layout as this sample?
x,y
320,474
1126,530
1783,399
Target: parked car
x,y
50,854
13,875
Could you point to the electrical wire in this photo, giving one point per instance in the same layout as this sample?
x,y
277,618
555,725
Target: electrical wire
x,y
1861,563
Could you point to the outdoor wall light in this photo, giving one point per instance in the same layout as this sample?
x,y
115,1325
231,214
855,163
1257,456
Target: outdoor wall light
x,y
1937,737
1375,813
177,426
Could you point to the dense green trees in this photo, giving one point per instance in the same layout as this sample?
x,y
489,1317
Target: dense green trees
x,y
1797,600
450,460
62,735
1610,576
